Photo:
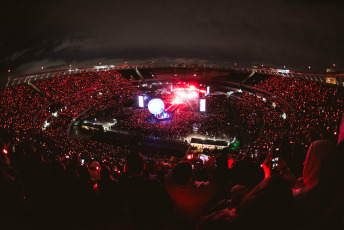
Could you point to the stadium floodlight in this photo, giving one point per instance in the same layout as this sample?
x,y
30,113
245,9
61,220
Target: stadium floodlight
x,y
141,102
156,106
202,105
46,124
284,116
230,93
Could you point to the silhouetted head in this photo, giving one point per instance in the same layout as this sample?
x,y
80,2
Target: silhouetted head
x,y
135,163
105,173
183,173
319,164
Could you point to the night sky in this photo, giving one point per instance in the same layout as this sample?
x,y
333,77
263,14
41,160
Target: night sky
x,y
250,32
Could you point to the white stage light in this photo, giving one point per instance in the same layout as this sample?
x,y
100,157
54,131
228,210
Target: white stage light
x,y
156,106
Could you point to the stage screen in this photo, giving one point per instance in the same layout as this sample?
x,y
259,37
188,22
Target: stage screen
x,y
202,105
141,102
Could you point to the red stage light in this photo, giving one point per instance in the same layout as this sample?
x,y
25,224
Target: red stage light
x,y
4,151
189,157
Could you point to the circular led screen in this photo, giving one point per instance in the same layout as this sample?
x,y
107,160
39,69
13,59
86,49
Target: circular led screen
x,y
156,106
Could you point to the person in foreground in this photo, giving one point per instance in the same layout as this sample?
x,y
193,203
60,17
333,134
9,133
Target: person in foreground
x,y
189,197
278,203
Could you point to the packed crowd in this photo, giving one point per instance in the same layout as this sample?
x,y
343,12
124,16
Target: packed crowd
x,y
217,104
249,114
317,108
229,190
274,125
184,119
61,86
18,105
138,120
50,181
56,134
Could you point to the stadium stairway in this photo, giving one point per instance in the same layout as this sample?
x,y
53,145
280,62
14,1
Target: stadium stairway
x,y
35,88
248,77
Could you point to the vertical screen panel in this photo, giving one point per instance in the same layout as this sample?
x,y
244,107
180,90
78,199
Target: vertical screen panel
x,y
141,103
202,105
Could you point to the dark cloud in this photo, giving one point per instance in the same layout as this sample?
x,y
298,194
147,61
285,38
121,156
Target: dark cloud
x,y
293,33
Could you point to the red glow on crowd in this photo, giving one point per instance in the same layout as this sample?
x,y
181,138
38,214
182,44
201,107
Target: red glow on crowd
x,y
171,107
230,163
95,186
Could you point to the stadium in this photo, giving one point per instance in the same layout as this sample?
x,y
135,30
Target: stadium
x,y
96,118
